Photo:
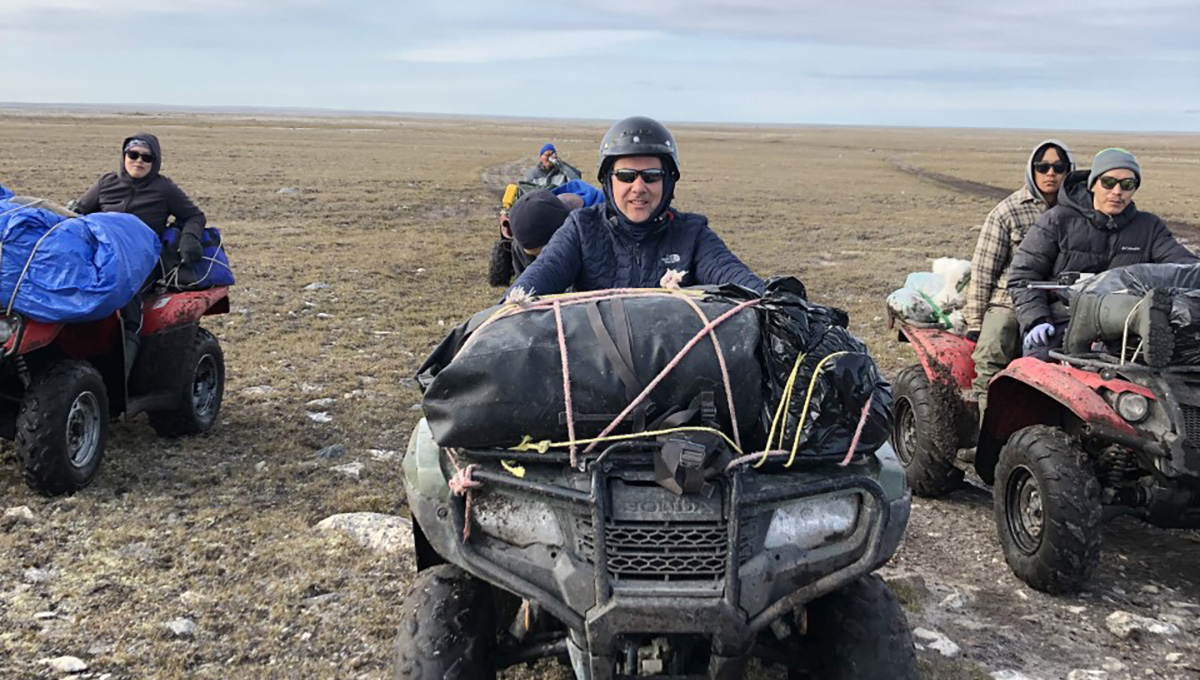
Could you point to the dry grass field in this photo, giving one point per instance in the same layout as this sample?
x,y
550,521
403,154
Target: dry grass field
x,y
394,215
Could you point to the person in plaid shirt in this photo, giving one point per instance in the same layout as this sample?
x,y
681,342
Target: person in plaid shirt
x,y
991,319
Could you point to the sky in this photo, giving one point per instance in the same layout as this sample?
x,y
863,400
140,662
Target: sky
x,y
1100,65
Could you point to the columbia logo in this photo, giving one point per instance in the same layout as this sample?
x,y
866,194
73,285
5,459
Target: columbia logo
x,y
673,258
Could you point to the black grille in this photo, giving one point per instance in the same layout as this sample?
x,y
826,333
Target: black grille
x,y
1191,424
659,551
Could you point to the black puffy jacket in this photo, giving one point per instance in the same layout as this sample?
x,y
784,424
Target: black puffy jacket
x,y
153,199
1074,237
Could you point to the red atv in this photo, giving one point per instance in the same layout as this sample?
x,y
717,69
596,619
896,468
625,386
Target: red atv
x,y
61,384
1065,445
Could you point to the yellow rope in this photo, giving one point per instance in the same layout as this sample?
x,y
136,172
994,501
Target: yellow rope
x,y
808,400
513,468
784,399
527,443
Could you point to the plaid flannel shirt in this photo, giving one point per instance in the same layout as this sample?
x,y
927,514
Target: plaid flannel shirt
x,y
1002,232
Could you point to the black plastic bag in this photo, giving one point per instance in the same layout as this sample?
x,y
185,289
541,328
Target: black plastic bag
x,y
792,326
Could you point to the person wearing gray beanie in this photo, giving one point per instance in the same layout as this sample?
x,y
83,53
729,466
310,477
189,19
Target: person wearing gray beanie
x,y
1113,158
1095,227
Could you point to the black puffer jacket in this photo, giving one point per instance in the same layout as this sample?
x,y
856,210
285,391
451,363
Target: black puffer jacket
x,y
1074,237
153,199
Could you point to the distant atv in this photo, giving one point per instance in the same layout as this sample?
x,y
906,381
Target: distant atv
x,y
500,262
1065,445
61,384
604,568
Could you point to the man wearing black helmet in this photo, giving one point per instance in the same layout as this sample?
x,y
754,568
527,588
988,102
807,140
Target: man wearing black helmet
x,y
635,239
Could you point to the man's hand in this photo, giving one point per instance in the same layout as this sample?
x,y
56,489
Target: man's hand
x,y
1039,335
190,250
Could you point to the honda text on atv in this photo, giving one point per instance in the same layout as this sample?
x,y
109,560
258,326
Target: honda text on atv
x,y
1066,444
61,384
600,565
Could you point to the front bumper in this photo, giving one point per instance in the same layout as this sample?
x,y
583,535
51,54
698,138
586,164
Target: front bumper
x,y
595,549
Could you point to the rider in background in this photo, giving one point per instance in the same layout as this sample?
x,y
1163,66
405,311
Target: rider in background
x,y
634,238
551,171
1095,227
991,319
137,188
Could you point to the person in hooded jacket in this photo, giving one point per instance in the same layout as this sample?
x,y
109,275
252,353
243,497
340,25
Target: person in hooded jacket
x,y
991,319
137,188
1095,227
634,239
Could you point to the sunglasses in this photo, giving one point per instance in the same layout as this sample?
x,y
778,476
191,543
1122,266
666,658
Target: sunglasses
x,y
1043,168
629,175
134,155
1128,184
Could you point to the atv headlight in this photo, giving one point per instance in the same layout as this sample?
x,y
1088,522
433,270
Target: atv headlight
x,y
1133,407
813,522
7,328
516,520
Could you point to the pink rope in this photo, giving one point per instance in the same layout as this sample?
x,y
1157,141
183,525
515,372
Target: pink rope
x,y
774,453
669,367
566,375
862,420
460,485
737,438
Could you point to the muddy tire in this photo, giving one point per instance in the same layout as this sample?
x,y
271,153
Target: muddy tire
x,y
202,383
859,632
500,266
1047,507
924,435
447,627
62,427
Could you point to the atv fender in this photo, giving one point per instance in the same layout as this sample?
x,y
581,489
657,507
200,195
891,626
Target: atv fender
x,y
1035,392
175,309
942,354
31,335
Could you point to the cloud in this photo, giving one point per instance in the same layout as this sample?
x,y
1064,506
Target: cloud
x,y
1023,26
523,45
19,8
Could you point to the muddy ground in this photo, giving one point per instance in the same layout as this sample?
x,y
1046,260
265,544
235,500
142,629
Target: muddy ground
x,y
396,216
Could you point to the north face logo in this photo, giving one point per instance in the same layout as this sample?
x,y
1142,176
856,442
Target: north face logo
x,y
1130,249
673,258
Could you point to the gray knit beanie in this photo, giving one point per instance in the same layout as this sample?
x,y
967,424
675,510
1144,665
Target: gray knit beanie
x,y
1111,159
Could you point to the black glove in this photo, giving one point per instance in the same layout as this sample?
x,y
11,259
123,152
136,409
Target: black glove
x,y
190,250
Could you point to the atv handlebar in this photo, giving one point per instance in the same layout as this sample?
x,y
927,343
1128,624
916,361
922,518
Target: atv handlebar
x,y
1063,280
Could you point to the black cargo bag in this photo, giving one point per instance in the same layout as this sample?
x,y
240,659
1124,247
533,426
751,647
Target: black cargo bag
x,y
494,382
847,379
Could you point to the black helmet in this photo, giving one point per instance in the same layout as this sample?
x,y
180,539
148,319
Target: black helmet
x,y
638,136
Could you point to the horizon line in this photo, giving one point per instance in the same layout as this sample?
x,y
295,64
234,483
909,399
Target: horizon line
x,y
134,109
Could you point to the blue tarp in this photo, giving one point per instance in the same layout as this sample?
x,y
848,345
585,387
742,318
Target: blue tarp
x,y
5,193
84,269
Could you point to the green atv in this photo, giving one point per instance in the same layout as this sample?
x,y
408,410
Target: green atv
x,y
602,565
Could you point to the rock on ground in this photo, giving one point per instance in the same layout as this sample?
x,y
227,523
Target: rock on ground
x,y
377,531
66,664
936,641
1124,624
